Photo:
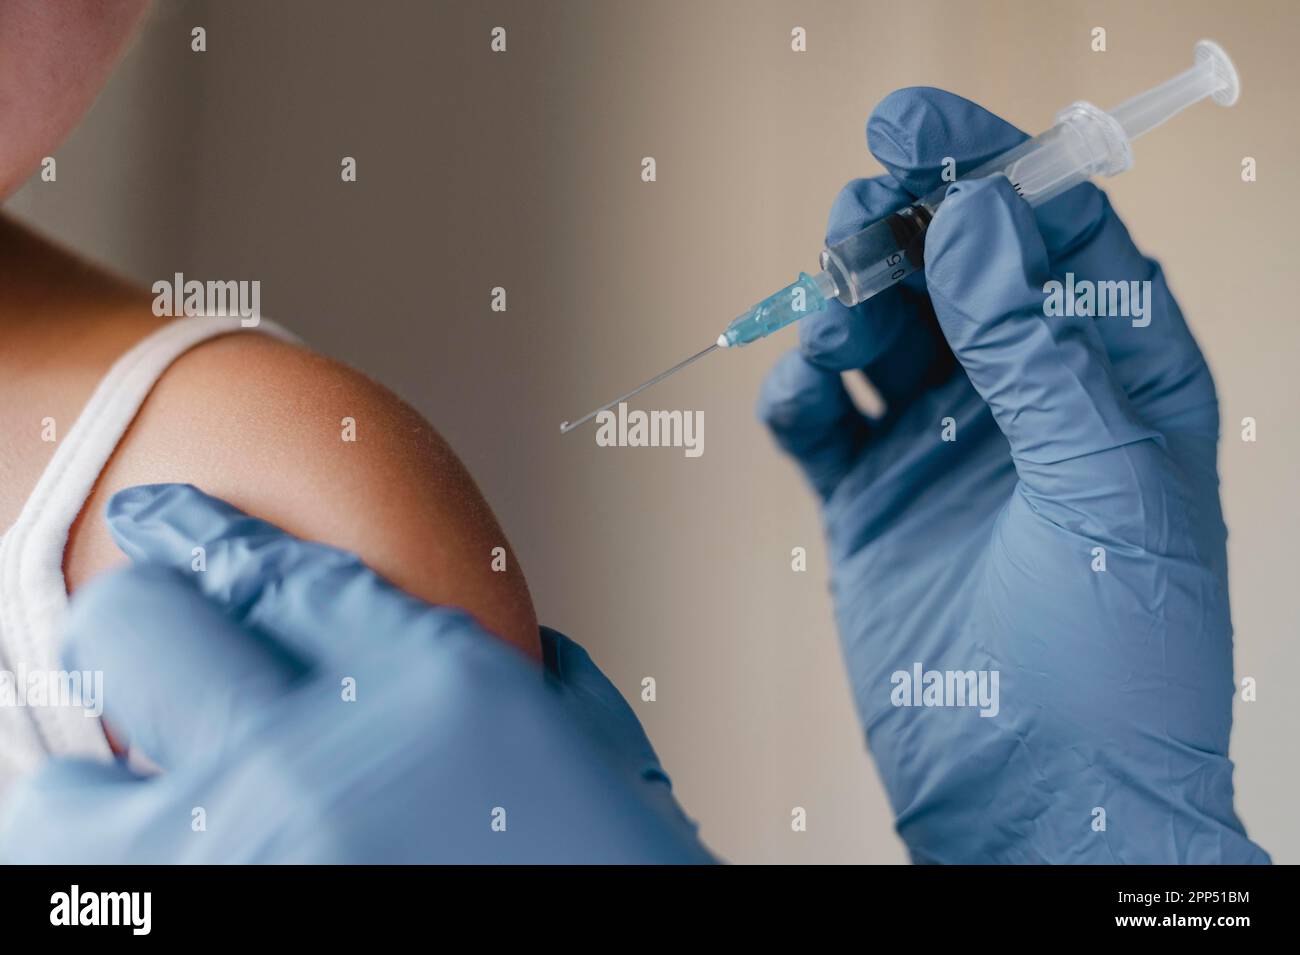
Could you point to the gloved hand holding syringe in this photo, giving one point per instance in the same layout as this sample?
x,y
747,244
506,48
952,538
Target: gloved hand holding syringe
x,y
1085,141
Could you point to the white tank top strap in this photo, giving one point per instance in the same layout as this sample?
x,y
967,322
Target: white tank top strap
x,y
33,594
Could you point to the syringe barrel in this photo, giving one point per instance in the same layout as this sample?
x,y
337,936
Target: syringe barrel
x,y
882,254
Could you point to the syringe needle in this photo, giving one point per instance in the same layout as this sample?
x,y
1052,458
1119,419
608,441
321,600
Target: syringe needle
x,y
567,426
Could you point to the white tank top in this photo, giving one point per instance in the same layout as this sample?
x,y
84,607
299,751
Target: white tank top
x,y
33,595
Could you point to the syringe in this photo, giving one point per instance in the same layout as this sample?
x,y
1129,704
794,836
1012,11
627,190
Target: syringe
x,y
1085,141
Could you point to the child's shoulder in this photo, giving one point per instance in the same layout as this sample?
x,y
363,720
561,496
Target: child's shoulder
x,y
326,453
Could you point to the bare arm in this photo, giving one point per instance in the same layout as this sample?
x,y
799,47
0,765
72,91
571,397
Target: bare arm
x,y
259,423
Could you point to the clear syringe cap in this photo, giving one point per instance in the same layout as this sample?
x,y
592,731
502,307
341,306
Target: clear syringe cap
x,y
1211,74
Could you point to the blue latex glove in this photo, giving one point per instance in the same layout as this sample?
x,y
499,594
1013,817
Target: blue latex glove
x,y
1072,434
233,679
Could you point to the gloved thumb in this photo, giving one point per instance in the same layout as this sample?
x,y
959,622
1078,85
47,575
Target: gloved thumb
x,y
1047,380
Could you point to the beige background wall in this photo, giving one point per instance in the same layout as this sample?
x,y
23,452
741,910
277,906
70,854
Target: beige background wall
x,y
522,170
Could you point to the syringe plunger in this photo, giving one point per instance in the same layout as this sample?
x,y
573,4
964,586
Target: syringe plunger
x,y
1211,75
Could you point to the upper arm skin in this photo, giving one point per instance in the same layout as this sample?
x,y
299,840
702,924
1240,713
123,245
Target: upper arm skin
x,y
258,422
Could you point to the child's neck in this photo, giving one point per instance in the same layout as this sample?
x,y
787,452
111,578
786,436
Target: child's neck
x,y
63,323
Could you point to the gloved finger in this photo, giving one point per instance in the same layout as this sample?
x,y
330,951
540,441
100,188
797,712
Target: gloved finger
x,y
1047,381
914,133
179,674
321,602
73,812
813,419
925,137
884,333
